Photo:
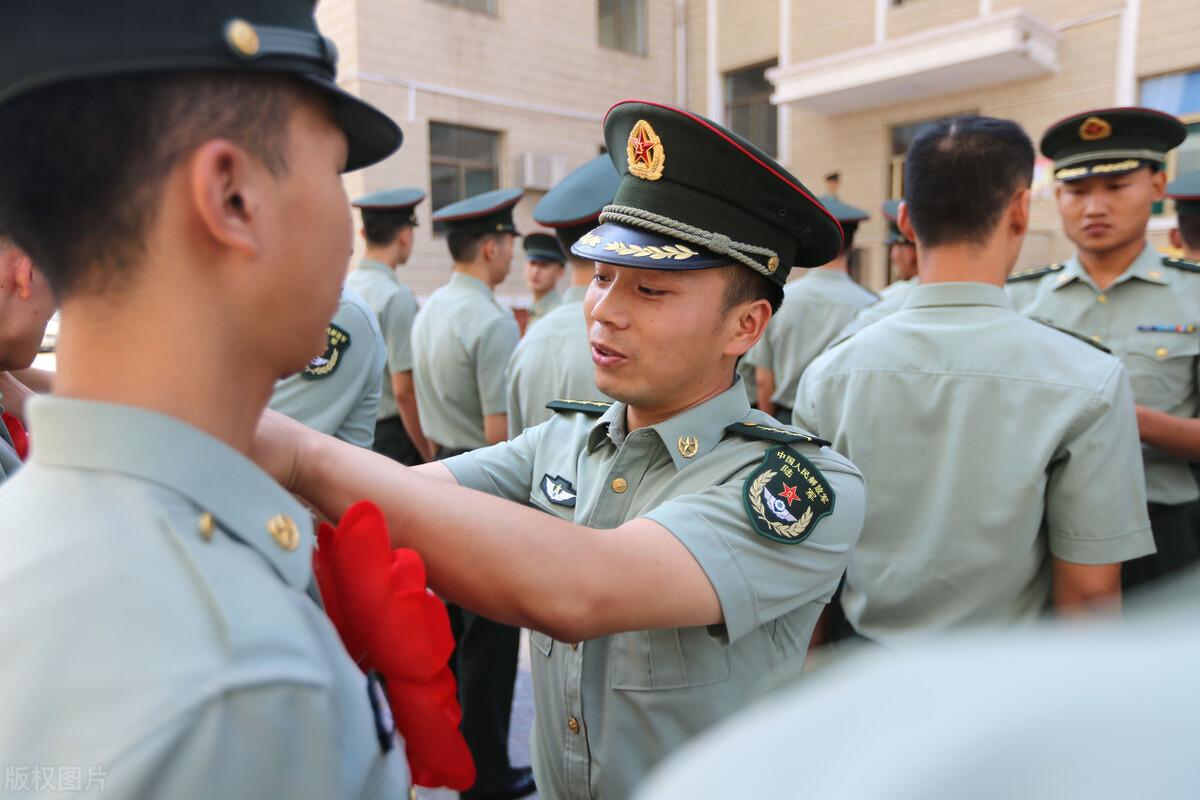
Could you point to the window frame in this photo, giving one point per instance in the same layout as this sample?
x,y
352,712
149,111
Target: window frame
x,y
461,6
643,44
462,164
729,106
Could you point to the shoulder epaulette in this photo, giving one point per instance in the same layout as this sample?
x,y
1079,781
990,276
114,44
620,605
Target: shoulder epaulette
x,y
1031,274
1185,264
594,407
1075,335
752,430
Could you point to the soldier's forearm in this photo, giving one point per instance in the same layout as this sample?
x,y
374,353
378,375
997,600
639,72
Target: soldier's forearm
x,y
1178,436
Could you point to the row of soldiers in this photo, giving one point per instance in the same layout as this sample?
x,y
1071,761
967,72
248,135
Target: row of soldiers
x,y
174,172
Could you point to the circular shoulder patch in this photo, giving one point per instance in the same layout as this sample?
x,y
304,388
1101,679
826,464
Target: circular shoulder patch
x,y
786,496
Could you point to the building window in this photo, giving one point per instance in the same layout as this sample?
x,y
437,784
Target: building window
x,y
902,139
748,109
463,162
1177,94
623,25
481,6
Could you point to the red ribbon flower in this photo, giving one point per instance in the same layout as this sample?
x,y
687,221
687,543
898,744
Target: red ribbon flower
x,y
16,432
390,622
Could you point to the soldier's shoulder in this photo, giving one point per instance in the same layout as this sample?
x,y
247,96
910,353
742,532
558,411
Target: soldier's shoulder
x,y
1035,273
768,429
593,407
1183,264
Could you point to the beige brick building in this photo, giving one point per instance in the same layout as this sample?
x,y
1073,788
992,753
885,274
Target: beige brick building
x,y
511,92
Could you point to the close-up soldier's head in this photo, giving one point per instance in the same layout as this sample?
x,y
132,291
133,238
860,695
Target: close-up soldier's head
x,y
966,180
191,149
692,254
1108,164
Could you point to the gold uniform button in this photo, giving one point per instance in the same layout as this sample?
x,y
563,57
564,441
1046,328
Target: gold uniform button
x,y
573,725
242,38
1154,274
619,485
1096,339
284,531
1101,298
206,526
1161,352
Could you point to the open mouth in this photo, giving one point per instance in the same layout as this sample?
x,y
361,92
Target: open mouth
x,y
605,356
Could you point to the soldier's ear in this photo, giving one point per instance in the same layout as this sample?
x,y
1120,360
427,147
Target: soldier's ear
x,y
1176,238
226,192
1158,182
1018,216
904,222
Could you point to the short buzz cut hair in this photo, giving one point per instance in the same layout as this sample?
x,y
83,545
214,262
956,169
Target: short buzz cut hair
x,y
85,161
1189,230
960,174
381,226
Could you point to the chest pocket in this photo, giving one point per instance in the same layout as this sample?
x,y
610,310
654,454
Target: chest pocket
x,y
666,659
1162,367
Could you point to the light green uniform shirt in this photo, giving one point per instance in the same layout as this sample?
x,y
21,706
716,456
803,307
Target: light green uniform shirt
x,y
1162,365
395,308
552,362
815,309
890,301
462,341
164,635
542,307
338,394
610,708
990,443
1103,711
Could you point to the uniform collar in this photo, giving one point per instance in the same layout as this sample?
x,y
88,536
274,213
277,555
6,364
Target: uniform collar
x,y
697,429
372,265
575,294
956,293
152,447
470,282
833,275
1146,267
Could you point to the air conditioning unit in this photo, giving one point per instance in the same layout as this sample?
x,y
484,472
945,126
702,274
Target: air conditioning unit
x,y
540,171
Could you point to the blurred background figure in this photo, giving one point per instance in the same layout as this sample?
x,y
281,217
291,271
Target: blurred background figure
x,y
544,267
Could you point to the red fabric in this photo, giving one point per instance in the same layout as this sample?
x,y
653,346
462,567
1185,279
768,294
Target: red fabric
x,y
390,622
16,432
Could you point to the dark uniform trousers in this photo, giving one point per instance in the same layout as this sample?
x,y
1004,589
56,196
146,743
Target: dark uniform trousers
x,y
1176,541
392,441
485,666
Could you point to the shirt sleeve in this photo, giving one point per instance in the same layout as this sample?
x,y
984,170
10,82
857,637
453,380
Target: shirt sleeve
x,y
1096,492
496,344
512,379
206,753
396,322
358,428
504,470
804,406
757,579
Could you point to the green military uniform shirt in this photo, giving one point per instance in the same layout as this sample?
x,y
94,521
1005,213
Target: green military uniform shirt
x,y
815,309
1148,317
542,307
990,442
609,709
462,341
890,301
554,360
338,393
165,635
395,307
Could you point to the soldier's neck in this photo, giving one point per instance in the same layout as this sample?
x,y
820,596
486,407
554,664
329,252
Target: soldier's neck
x,y
840,264
384,255
1105,266
643,417
477,270
964,263
171,358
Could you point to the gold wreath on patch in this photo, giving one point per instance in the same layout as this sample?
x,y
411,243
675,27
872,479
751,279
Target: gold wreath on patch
x,y
1094,129
645,152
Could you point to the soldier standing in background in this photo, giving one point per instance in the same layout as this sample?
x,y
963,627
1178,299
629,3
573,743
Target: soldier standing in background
x,y
902,254
1117,290
462,341
389,218
544,263
1185,191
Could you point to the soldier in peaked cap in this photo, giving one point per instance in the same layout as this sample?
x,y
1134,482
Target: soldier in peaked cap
x,y
902,253
544,266
1118,291
1185,191
462,341
194,228
554,361
388,220
683,545
814,311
